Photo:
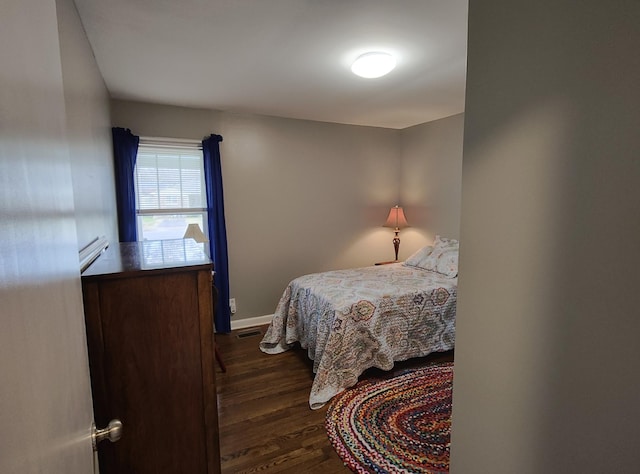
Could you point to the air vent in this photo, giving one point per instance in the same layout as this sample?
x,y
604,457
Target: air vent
x,y
249,333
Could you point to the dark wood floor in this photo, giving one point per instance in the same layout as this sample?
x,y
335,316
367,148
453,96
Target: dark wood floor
x,y
266,424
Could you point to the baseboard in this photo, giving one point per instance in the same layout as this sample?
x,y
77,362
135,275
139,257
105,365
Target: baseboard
x,y
251,322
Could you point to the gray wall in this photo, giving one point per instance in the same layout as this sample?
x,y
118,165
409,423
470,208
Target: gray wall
x,y
88,131
547,354
300,196
430,183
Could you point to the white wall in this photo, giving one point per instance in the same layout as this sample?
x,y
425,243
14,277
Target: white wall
x,y
304,196
300,196
45,395
547,354
431,179
88,131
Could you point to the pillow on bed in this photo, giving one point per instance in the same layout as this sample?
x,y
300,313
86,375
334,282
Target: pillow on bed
x,y
442,257
419,258
444,260
443,241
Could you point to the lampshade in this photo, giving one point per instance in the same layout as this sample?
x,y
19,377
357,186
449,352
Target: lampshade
x,y
194,232
396,219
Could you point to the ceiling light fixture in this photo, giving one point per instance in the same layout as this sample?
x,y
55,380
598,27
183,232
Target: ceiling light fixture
x,y
372,65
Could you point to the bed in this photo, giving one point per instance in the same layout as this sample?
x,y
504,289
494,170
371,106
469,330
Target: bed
x,y
355,319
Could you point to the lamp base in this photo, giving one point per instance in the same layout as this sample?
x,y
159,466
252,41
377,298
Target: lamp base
x,y
396,244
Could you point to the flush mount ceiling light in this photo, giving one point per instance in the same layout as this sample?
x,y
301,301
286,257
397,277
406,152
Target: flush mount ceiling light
x,y
372,65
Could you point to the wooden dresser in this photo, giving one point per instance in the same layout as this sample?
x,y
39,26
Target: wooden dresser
x,y
148,312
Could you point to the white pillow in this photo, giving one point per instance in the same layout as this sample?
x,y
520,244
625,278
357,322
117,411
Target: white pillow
x,y
442,257
419,258
443,260
443,241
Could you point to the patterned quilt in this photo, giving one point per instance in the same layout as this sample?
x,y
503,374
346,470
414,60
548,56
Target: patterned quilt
x,y
351,320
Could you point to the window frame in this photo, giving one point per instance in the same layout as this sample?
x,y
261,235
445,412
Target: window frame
x,y
155,145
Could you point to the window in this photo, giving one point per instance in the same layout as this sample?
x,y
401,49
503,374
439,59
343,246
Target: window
x,y
170,189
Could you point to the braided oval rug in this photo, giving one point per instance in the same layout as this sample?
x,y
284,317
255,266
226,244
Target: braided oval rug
x,y
396,425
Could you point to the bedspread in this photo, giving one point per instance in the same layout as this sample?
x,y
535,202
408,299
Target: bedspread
x,y
352,320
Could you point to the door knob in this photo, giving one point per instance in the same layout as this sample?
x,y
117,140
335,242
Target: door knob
x,y
113,432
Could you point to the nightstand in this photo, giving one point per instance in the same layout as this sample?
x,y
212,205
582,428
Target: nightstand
x,y
387,263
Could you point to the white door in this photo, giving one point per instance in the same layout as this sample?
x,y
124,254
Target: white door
x,y
45,395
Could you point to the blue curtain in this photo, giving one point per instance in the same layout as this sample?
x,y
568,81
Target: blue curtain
x,y
217,229
125,150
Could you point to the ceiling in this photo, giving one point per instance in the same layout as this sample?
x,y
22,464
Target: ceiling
x,y
285,58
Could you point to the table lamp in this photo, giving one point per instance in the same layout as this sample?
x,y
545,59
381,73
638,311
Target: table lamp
x,y
396,220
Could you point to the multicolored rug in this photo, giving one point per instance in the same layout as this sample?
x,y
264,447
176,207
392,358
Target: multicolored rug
x,y
398,425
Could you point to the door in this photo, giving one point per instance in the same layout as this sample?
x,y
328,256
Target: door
x,y
45,396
